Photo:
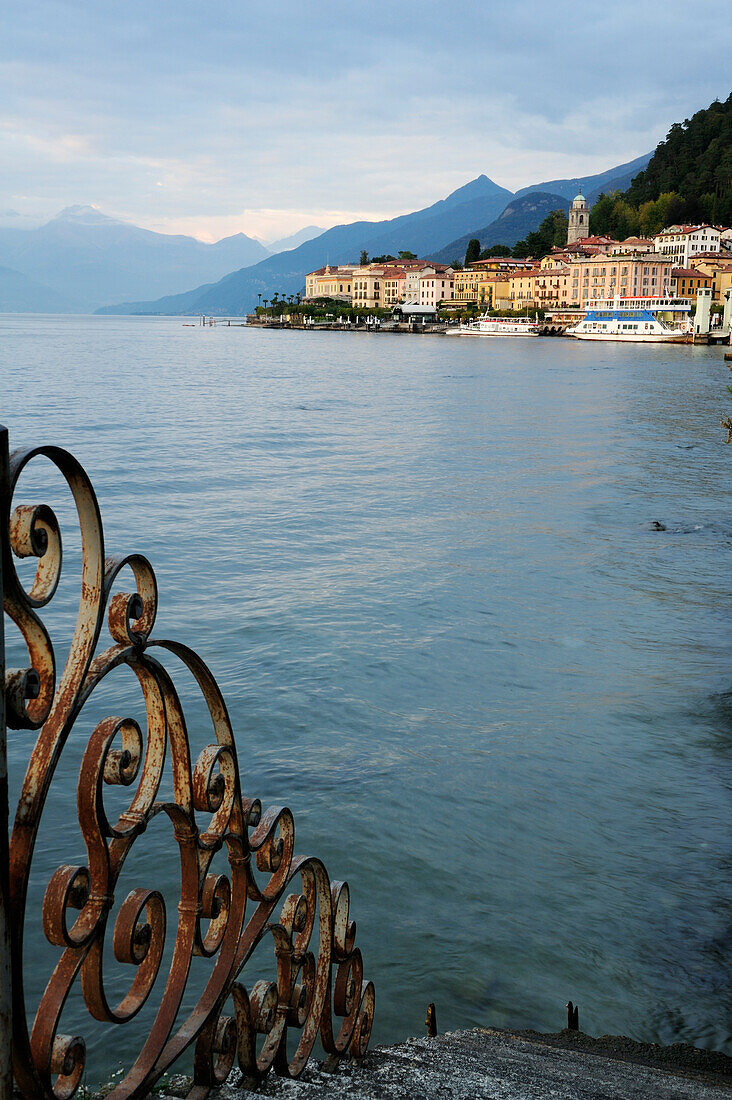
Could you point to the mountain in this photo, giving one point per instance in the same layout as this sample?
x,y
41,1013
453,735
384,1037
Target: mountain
x,y
521,216
476,203
302,235
19,294
92,259
614,179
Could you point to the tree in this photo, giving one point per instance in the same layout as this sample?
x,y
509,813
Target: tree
x,y
472,252
407,256
497,250
363,258
457,265
687,180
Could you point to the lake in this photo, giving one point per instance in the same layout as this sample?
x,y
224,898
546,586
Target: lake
x,y
424,573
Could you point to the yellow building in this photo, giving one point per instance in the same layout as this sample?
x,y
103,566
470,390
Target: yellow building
x,y
368,288
718,269
686,282
485,283
394,281
465,285
329,282
494,290
521,286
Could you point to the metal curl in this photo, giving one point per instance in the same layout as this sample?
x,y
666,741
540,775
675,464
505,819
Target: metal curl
x,y
68,1059
276,898
35,532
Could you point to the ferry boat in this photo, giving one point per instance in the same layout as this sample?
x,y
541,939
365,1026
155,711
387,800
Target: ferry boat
x,y
499,326
636,320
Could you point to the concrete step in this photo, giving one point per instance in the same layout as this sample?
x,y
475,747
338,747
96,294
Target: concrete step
x,y
485,1064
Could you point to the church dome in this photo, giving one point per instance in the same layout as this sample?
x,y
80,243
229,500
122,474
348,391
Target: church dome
x,y
579,198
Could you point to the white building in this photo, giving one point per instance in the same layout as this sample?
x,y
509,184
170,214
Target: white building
x,y
435,287
682,242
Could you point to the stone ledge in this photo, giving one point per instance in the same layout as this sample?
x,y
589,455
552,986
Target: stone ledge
x,y
486,1064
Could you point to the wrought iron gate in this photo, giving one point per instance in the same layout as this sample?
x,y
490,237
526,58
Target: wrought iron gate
x,y
268,895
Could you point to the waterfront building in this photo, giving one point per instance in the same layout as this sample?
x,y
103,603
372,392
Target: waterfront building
x,y
413,271
521,289
682,242
411,281
465,286
548,287
394,280
373,285
635,275
330,282
486,282
494,290
685,282
717,266
578,219
367,286
435,287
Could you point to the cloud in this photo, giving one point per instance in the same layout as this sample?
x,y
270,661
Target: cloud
x,y
172,115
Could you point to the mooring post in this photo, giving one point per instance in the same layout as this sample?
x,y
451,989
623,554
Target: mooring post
x,y
572,1016
6,1030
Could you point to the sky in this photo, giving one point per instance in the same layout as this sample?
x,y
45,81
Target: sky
x,y
263,118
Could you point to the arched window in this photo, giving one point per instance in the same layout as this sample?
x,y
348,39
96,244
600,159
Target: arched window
x,y
581,218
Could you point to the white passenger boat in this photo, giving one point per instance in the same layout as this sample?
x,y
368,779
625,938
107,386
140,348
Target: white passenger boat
x,y
499,326
636,320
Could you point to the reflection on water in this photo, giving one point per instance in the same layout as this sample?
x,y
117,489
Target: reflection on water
x,y
425,575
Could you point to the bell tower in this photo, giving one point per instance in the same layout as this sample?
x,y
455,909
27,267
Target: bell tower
x,y
579,219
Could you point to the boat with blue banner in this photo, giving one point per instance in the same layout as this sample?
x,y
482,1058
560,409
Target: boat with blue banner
x,y
636,320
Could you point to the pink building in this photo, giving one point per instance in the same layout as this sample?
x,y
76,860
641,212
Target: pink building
x,y
435,287
630,276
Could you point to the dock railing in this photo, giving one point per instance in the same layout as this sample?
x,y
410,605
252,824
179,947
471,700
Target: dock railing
x,y
267,898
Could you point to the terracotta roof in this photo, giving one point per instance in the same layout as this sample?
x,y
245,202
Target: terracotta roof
x,y
686,273
594,240
684,229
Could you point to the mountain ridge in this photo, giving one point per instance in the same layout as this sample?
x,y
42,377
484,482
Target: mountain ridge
x,y
521,216
426,232
285,272
90,258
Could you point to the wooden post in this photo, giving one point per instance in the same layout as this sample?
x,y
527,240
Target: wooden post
x,y
6,1019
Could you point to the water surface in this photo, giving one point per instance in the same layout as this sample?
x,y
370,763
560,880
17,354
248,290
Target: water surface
x,y
423,572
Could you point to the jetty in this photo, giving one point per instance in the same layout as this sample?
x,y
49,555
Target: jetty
x,y
373,325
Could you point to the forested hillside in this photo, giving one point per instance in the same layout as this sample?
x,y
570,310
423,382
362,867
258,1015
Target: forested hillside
x,y
688,179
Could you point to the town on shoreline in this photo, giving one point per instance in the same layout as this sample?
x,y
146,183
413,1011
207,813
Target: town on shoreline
x,y
678,262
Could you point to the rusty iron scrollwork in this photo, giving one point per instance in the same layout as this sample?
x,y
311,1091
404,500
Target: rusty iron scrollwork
x,y
268,895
